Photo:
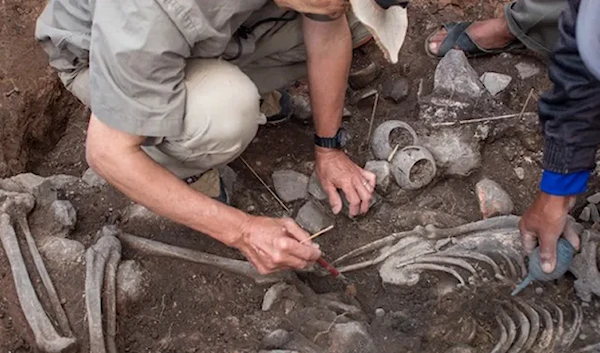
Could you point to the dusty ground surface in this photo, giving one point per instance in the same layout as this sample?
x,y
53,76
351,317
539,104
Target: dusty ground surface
x,y
191,308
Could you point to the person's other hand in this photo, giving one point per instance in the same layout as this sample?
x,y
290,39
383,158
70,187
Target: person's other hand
x,y
332,8
544,222
336,171
273,244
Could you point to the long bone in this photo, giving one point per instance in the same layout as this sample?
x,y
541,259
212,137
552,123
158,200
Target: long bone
x,y
433,233
102,260
18,207
46,337
245,268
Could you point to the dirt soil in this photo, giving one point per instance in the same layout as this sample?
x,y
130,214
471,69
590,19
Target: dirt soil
x,y
192,308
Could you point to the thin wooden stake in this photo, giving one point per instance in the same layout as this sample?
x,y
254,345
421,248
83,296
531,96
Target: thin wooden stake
x,y
372,118
325,230
266,186
526,102
482,120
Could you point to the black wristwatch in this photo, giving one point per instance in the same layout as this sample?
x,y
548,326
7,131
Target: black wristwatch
x,y
338,141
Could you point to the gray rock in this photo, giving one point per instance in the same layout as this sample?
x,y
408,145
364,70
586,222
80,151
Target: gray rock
x,y
495,82
276,339
595,199
493,199
274,295
229,177
130,283
290,185
527,70
315,188
396,89
312,218
351,337
301,107
383,173
454,151
594,215
38,186
455,74
585,214
520,172
91,178
61,181
364,76
64,216
62,252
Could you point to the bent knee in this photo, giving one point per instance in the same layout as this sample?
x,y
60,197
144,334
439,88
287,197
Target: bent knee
x,y
222,107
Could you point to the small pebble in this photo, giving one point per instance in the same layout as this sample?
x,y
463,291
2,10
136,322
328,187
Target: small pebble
x,y
63,301
539,291
583,337
250,208
594,198
520,172
379,312
585,214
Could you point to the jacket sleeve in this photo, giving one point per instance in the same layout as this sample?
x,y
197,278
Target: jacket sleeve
x,y
570,111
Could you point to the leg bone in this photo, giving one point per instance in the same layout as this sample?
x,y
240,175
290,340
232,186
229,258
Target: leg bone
x,y
46,337
236,266
106,250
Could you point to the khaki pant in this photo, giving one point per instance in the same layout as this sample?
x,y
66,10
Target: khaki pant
x,y
535,23
222,110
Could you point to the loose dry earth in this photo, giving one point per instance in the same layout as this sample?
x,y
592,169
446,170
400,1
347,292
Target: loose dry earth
x,y
193,308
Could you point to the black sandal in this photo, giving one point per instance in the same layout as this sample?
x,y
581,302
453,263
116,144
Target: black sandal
x,y
458,37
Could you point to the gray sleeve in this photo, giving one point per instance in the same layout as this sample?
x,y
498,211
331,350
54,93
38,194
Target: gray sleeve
x,y
137,67
588,35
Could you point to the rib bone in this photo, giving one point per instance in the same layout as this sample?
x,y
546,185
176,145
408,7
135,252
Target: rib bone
x,y
571,335
152,247
499,347
524,328
480,257
46,337
547,336
511,331
432,233
534,324
105,254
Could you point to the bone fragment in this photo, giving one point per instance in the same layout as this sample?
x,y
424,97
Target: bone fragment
x,y
498,348
412,246
433,267
546,340
433,233
534,324
523,328
99,257
441,260
59,311
560,324
571,335
510,264
512,331
46,338
245,268
480,257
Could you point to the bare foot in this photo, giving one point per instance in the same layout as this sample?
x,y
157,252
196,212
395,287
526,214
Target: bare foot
x,y
488,34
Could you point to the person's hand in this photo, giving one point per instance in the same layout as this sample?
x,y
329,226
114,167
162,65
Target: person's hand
x,y
332,8
336,171
273,244
544,222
